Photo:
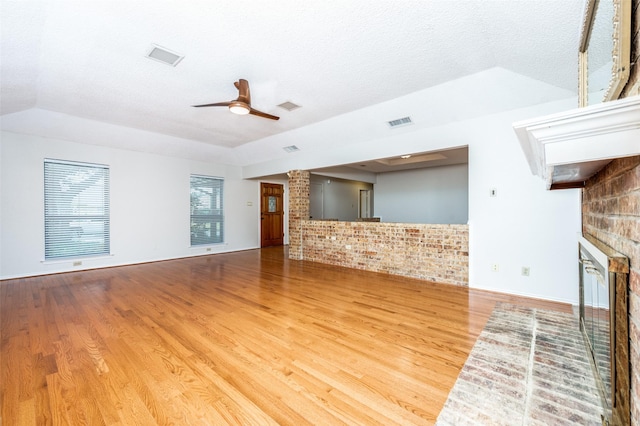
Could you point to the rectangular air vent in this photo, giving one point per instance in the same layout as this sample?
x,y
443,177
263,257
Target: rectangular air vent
x,y
405,121
289,106
163,55
291,148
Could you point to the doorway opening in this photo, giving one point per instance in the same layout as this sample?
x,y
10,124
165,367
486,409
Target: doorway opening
x,y
365,203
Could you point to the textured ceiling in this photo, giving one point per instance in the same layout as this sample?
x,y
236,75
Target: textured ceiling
x,y
87,58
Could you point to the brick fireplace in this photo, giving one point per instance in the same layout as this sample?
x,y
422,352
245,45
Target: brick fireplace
x,y
611,214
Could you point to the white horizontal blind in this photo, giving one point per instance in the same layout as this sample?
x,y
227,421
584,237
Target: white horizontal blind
x,y
76,205
207,215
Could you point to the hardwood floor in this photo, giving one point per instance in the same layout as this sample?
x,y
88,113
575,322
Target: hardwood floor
x,y
241,338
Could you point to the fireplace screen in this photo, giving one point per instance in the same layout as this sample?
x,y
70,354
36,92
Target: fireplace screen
x,y
597,316
603,288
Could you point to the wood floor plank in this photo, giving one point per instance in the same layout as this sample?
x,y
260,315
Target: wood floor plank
x,y
238,338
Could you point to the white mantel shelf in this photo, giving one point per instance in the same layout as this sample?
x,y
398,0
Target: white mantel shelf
x,y
567,148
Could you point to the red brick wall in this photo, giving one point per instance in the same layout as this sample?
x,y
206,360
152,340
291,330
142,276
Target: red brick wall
x,y
611,214
437,253
431,252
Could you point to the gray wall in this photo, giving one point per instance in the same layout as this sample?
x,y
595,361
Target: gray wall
x,y
433,195
340,197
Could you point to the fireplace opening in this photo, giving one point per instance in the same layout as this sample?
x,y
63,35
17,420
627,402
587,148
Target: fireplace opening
x,y
604,324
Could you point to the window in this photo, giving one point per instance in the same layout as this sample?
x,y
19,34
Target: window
x,y
207,219
76,209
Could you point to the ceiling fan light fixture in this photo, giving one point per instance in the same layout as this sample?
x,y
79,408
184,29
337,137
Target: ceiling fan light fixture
x,y
239,108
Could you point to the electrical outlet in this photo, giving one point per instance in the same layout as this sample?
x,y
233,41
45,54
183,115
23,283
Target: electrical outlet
x,y
208,249
525,271
495,267
77,263
493,192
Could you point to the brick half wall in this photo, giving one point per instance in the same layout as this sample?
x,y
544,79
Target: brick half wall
x,y
438,253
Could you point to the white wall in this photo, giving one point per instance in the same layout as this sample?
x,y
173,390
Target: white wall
x,y
433,195
149,205
525,225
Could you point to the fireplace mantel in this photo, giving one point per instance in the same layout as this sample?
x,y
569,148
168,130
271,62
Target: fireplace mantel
x,y
567,148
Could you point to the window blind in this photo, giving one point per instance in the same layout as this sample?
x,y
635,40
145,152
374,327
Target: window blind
x,y
76,204
207,215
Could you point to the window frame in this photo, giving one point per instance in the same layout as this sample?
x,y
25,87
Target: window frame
x,y
89,209
202,220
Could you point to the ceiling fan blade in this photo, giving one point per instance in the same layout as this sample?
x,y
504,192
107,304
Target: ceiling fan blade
x,y
263,114
210,105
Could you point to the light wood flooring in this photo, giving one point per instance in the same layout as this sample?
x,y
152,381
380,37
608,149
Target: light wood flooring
x,y
240,338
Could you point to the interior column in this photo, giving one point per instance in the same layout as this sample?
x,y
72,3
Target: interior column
x,y
298,210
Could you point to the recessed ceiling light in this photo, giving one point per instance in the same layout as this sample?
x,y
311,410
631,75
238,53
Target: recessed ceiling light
x,y
166,56
411,159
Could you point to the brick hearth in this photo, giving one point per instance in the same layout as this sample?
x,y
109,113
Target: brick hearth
x,y
527,368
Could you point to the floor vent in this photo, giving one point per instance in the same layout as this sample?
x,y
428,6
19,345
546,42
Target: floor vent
x,y
405,121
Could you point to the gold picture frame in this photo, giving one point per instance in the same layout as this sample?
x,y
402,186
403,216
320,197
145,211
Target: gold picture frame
x,y
605,23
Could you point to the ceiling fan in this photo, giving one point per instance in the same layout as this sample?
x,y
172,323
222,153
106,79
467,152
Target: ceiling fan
x,y
242,105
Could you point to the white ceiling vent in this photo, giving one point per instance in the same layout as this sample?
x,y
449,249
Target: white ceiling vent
x,y
163,55
289,106
404,121
291,148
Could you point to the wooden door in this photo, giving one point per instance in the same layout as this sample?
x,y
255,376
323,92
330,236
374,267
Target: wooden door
x,y
271,214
